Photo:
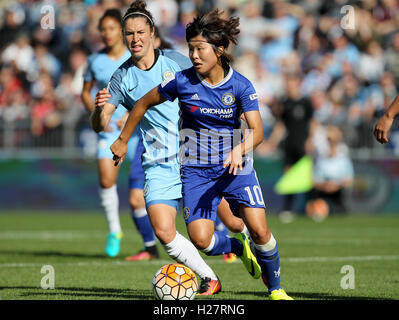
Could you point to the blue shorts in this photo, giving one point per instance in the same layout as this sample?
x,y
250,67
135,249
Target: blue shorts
x,y
204,187
136,177
162,183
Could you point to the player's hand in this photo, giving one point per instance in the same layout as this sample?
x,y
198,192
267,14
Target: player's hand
x,y
234,160
102,97
382,128
119,150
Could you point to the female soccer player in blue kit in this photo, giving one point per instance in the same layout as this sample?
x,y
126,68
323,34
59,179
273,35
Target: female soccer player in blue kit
x,y
212,97
162,188
100,67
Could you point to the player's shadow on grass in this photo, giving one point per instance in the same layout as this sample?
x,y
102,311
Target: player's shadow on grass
x,y
84,293
54,254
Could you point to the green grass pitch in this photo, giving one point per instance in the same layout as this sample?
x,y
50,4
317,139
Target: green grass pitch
x,y
312,259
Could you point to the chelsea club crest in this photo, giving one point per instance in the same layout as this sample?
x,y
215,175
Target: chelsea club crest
x,y
228,99
186,213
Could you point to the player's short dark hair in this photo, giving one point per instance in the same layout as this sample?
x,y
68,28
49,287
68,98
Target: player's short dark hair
x,y
217,31
138,9
111,13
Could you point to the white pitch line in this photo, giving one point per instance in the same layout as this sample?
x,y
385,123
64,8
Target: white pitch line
x,y
162,262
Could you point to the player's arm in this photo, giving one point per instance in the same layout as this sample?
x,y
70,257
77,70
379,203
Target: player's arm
x,y
384,124
103,111
250,142
151,98
86,96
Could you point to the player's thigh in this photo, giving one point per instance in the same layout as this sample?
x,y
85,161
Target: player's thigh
x,y
163,220
108,172
200,194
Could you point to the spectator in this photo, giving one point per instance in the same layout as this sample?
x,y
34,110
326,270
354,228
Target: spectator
x,y
295,116
392,58
332,173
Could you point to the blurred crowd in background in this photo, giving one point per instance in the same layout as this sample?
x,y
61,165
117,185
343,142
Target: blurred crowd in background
x,y
349,75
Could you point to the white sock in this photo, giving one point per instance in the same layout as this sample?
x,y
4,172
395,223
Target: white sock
x,y
245,230
183,251
270,245
110,203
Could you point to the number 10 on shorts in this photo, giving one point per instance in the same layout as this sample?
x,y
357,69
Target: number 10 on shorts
x,y
258,195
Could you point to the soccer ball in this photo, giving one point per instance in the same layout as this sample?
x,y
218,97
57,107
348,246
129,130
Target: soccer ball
x,y
174,282
317,210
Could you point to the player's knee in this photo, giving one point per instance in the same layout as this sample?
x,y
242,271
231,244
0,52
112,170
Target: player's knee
x,y
106,182
165,235
136,200
260,235
200,241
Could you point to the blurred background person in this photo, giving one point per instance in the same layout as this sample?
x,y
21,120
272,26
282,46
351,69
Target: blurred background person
x,y
333,172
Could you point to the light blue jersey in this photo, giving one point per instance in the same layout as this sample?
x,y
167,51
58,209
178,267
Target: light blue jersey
x,y
159,127
99,70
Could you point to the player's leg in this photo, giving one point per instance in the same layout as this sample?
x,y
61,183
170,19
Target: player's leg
x,y
228,219
266,250
142,222
245,196
163,218
200,200
162,193
109,200
221,229
225,220
138,210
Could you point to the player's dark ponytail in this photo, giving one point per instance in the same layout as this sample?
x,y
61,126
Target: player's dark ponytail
x,y
217,31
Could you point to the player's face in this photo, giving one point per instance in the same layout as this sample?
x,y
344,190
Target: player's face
x,y
138,36
110,31
202,54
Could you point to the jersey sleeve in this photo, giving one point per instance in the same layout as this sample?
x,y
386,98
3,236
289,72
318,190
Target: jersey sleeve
x,y
183,61
249,98
114,88
168,88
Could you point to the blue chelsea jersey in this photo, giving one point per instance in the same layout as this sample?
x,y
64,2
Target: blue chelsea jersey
x,y
210,114
100,68
159,127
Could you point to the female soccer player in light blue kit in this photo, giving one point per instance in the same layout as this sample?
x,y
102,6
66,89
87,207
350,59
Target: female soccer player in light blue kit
x,y
100,67
212,97
159,128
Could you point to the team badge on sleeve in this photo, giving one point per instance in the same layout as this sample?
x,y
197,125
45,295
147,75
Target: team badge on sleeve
x,y
167,77
228,99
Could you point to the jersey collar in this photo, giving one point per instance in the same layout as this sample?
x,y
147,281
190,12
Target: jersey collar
x,y
227,78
